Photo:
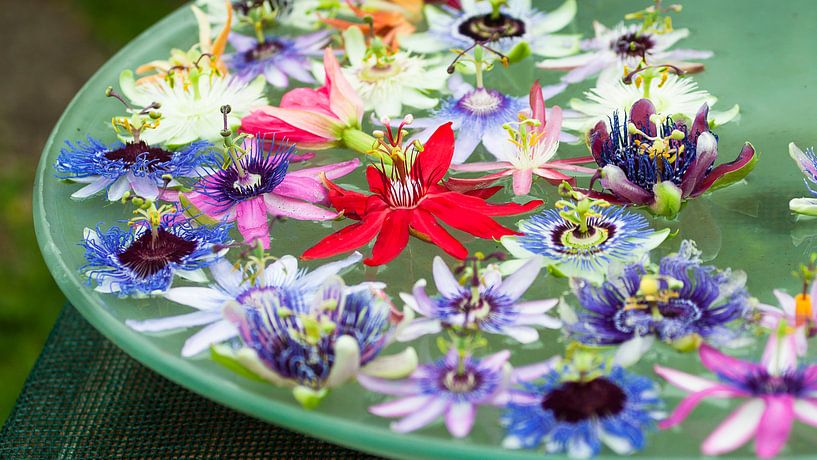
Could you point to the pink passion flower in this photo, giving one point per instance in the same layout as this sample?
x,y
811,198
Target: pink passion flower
x,y
260,183
317,119
776,390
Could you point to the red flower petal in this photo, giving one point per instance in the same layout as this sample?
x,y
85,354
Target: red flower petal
x,y
745,157
351,204
456,216
437,154
393,238
426,225
376,180
460,201
348,238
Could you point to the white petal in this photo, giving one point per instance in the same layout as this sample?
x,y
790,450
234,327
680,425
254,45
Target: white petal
x,y
806,411
92,188
447,285
736,430
197,318
631,351
347,361
522,334
419,328
421,418
394,366
200,298
210,335
684,381
515,285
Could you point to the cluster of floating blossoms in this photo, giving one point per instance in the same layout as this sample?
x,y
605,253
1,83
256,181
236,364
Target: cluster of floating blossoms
x,y
213,153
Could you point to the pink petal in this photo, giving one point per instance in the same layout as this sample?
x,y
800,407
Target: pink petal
x,y
422,416
343,99
775,426
736,430
459,419
332,171
308,125
684,381
447,285
495,361
401,407
689,403
806,411
786,301
725,365
419,328
481,166
308,99
534,371
615,180
515,285
390,387
553,129
204,204
522,179
278,205
303,188
252,221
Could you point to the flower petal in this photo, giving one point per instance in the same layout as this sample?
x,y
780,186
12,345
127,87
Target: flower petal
x,y
684,381
398,407
459,418
775,425
251,216
215,333
343,98
437,153
404,387
419,328
736,430
728,173
420,418
425,226
514,286
806,411
197,318
685,407
614,179
706,154
725,365
347,239
393,238
201,298
278,205
347,361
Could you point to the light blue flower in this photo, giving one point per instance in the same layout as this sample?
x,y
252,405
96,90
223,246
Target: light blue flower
x,y
276,58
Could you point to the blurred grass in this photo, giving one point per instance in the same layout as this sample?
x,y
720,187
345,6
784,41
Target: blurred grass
x,y
66,40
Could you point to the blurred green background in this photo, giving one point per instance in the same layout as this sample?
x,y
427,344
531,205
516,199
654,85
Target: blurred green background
x,y
51,48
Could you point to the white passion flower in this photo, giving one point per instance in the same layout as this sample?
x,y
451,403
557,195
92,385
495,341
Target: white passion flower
x,y
388,81
675,96
191,110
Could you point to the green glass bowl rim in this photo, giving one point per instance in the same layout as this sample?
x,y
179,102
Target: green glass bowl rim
x,y
349,433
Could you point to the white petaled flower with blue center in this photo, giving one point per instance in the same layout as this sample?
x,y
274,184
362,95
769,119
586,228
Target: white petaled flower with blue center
x,y
231,285
516,23
277,58
611,50
488,303
678,96
317,343
613,235
142,261
135,167
577,415
806,160
191,110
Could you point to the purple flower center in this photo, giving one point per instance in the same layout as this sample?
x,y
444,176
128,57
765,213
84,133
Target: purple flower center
x,y
633,45
669,319
148,255
482,101
760,382
486,28
487,310
461,382
264,50
574,402
468,383
131,153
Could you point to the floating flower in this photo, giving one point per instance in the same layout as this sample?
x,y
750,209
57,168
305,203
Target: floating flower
x,y
797,313
529,150
389,22
680,303
206,53
623,46
583,239
316,119
517,23
408,200
190,110
650,160
807,162
672,94
453,387
235,285
487,303
776,389
576,412
387,81
130,167
259,183
317,345
143,259
276,58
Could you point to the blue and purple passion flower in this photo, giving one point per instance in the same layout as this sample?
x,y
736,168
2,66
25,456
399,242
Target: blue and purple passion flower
x,y
276,58
142,260
577,412
142,169
679,302
649,159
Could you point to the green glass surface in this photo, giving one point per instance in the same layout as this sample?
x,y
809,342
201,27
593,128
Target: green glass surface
x,y
765,61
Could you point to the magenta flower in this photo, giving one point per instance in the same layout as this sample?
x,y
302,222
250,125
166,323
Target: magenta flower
x,y
452,387
776,389
529,150
260,183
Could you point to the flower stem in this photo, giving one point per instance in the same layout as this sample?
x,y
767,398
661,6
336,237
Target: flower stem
x,y
359,141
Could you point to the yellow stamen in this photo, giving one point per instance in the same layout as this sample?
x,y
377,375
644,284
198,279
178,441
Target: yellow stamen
x,y
802,309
